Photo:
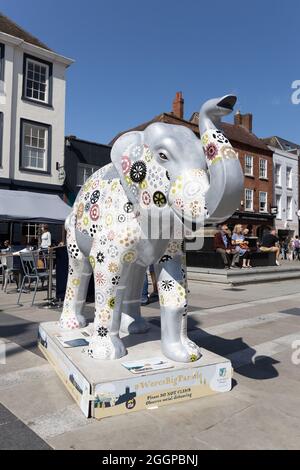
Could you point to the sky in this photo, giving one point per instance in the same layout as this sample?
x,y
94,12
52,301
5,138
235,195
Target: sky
x,y
132,56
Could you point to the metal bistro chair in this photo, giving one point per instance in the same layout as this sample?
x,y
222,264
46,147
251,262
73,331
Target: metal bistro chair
x,y
10,270
31,273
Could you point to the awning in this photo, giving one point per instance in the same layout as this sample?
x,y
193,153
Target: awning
x,y
21,206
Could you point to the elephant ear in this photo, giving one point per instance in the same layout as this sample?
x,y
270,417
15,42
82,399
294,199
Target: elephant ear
x,y
127,155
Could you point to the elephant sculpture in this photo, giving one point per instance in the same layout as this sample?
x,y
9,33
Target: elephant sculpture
x,y
161,175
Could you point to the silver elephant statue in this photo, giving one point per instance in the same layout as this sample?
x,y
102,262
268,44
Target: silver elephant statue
x,y
126,217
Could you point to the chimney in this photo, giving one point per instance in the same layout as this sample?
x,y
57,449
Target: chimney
x,y
178,104
244,120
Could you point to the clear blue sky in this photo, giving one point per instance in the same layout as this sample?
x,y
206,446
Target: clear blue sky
x,y
133,55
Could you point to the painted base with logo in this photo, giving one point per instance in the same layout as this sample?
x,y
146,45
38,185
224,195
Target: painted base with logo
x,y
143,379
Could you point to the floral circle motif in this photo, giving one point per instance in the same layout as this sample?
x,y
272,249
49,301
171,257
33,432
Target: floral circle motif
x,y
93,230
129,256
113,251
99,298
73,250
159,199
95,196
165,258
94,212
108,220
111,302
115,280
220,137
87,206
126,163
211,151
92,261
76,282
80,210
100,279
146,198
121,218
167,285
100,257
85,220
228,152
102,331
128,207
111,235
138,171
113,267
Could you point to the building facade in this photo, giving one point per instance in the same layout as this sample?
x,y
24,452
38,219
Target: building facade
x,y
285,185
32,113
82,159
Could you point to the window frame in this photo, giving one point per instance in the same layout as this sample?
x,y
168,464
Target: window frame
x,y
252,166
84,166
264,177
252,200
279,206
280,174
266,202
47,103
289,183
289,216
48,149
2,62
1,136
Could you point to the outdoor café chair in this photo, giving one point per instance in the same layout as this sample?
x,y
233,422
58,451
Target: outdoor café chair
x,y
30,272
9,270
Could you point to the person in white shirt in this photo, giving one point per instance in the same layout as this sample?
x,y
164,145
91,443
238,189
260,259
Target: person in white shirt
x,y
46,238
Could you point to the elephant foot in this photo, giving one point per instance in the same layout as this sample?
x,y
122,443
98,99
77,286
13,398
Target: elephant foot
x,y
132,325
105,348
185,351
72,322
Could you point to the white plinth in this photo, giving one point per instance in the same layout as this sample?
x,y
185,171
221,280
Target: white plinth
x,y
106,388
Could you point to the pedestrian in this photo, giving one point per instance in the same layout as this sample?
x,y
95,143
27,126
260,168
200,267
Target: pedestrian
x,y
296,248
270,244
145,294
45,239
241,245
222,245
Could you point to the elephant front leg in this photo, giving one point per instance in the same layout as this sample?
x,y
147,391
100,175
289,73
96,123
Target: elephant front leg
x,y
110,287
78,280
173,305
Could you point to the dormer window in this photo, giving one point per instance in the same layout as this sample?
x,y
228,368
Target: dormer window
x,y
37,80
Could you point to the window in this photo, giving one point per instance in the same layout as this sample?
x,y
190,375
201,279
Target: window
x,y
84,172
1,137
249,165
35,146
37,80
31,232
278,205
278,174
2,63
263,201
288,177
263,168
289,208
248,199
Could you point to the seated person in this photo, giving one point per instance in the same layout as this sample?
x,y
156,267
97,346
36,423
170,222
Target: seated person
x,y
222,245
238,240
270,244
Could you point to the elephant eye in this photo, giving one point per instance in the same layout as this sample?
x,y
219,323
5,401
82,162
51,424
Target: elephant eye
x,y
163,156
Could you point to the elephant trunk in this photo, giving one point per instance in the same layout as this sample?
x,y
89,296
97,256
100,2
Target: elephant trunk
x,y
224,169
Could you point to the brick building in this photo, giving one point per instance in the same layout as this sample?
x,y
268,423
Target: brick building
x,y
255,210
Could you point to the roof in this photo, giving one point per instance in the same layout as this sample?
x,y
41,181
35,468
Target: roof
x,y
73,138
282,144
35,207
236,133
8,26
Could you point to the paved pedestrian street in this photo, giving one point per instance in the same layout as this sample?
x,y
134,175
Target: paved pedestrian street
x,y
255,326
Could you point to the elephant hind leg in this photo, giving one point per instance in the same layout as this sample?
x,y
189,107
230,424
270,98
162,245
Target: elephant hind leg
x,y
79,275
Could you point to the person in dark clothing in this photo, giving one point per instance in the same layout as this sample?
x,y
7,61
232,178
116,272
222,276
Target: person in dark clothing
x,y
222,245
270,244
